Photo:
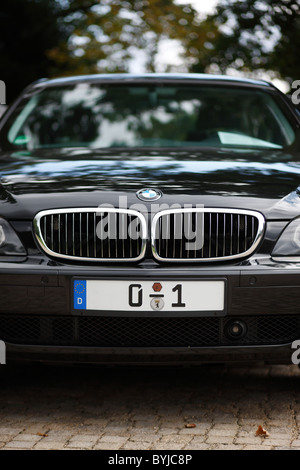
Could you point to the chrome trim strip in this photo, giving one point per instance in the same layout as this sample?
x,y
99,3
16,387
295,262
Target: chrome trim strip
x,y
286,259
96,210
257,240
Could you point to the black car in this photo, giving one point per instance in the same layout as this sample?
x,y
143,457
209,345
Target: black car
x,y
150,218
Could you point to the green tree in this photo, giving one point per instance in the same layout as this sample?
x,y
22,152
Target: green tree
x,y
63,37
107,36
28,28
254,34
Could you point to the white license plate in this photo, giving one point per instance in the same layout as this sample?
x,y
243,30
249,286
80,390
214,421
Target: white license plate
x,y
149,296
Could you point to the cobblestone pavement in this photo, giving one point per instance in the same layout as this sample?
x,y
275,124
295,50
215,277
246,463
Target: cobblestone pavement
x,y
149,408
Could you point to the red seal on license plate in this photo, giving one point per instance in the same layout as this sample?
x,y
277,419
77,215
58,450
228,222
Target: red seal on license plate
x,y
157,287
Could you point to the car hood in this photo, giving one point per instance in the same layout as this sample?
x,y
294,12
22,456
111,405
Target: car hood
x,y
265,180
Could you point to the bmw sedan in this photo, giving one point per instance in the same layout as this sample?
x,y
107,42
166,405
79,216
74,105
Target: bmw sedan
x,y
150,218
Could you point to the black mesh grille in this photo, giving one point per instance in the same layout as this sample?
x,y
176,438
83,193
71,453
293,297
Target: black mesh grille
x,y
145,332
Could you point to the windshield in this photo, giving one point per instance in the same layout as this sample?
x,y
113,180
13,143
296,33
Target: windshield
x,y
105,116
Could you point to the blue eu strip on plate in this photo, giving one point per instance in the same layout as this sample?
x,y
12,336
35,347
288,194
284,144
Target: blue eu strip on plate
x,y
80,295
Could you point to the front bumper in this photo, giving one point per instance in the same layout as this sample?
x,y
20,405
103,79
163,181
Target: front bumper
x,y
155,356
38,323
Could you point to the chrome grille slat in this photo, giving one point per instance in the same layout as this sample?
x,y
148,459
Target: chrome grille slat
x,y
181,239
87,236
174,238
188,230
224,235
123,240
80,235
52,233
231,233
66,235
209,236
130,244
167,234
72,234
245,234
238,232
59,238
197,225
116,229
217,235
102,248
95,238
228,234
202,250
109,224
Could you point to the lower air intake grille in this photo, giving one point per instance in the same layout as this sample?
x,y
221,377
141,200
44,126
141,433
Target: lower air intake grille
x,y
145,332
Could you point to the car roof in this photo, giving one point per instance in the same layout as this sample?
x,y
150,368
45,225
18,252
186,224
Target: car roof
x,y
121,77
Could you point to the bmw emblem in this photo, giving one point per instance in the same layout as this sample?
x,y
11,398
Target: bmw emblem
x,y
149,194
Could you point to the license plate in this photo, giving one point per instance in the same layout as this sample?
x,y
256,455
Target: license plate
x,y
149,296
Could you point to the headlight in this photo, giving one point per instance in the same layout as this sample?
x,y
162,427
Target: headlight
x,y
10,244
288,243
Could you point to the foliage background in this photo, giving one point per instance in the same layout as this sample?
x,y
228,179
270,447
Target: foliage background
x,y
49,38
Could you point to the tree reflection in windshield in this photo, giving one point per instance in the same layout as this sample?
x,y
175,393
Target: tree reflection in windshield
x,y
89,115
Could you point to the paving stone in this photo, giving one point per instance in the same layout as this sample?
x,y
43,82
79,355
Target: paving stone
x,y
130,445
118,440
148,408
257,447
19,445
81,444
28,438
223,432
219,440
228,447
49,445
107,446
